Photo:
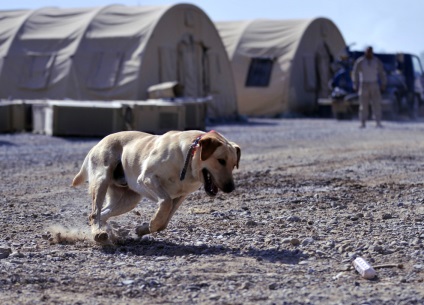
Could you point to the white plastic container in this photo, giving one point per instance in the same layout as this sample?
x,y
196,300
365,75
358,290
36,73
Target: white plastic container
x,y
364,269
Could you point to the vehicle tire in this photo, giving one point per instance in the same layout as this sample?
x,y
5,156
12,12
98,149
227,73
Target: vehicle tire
x,y
339,115
392,112
413,107
343,115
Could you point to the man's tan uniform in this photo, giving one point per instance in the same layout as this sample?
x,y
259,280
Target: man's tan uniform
x,y
366,74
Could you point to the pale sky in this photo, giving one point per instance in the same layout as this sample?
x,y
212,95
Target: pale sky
x,y
389,26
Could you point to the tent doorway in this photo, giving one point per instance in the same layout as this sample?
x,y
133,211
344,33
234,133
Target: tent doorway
x,y
192,67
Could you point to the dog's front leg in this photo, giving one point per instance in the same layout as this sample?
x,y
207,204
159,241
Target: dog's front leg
x,y
161,218
158,221
153,186
175,205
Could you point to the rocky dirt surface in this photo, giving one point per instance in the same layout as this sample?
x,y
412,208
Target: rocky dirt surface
x,y
311,195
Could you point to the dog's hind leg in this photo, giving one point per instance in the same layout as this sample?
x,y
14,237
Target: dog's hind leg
x,y
98,189
119,200
100,179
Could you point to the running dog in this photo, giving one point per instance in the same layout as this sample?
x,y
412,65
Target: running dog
x,y
126,166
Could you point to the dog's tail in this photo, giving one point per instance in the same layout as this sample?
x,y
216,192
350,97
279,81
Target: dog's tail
x,y
82,175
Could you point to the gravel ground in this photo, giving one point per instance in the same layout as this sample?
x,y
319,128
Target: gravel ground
x,y
311,195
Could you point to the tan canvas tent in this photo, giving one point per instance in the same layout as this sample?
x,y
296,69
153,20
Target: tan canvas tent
x,y
115,53
281,65
38,62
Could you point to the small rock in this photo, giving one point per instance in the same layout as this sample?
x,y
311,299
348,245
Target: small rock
x,y
387,216
347,248
293,218
416,241
214,297
46,235
295,242
5,251
331,244
346,267
30,247
378,248
246,285
419,267
161,258
320,253
339,275
352,255
17,254
334,204
307,241
286,241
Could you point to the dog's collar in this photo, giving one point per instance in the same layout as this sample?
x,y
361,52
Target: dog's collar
x,y
191,151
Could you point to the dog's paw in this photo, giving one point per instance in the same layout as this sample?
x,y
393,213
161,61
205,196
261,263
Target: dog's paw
x,y
142,230
101,237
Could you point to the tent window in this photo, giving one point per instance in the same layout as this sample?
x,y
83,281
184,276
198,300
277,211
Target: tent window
x,y
259,74
37,71
105,70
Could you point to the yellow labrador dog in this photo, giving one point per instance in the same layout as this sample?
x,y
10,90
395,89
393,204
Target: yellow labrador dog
x,y
127,166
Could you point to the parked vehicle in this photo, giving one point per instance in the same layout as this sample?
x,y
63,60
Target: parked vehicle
x,y
404,93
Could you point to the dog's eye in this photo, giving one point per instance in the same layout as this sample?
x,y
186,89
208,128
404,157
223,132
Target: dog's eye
x,y
222,162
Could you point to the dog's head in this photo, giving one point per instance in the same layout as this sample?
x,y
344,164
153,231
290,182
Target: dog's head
x,y
218,159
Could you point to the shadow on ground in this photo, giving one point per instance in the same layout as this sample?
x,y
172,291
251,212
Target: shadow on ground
x,y
148,247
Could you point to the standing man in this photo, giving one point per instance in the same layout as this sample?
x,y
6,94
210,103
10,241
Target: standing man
x,y
368,76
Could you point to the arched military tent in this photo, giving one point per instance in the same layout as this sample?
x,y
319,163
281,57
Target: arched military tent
x,y
116,53
38,62
281,65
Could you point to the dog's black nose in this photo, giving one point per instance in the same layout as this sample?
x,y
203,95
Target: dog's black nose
x,y
228,187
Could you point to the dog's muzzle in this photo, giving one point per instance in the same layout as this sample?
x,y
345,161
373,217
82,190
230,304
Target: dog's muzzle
x,y
228,187
211,188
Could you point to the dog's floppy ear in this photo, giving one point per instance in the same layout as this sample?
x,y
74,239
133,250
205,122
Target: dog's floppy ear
x,y
238,151
208,145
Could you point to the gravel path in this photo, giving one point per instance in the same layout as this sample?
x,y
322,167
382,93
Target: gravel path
x,y
311,195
